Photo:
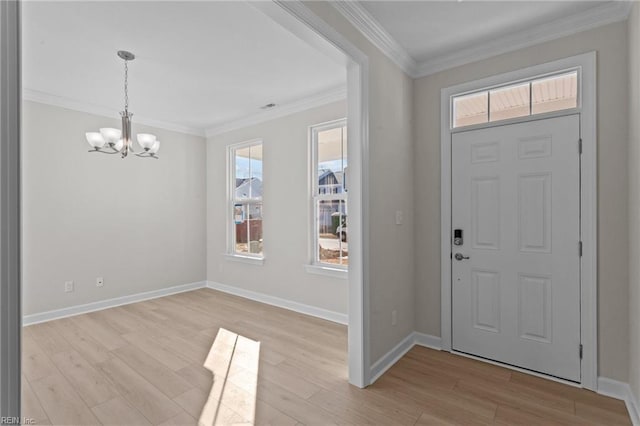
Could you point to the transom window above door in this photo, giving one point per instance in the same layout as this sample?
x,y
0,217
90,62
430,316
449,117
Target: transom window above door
x,y
519,99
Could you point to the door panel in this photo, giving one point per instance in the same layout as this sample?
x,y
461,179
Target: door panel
x,y
516,196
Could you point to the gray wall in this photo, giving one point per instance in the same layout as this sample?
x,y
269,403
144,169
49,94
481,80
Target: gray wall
x,y
610,43
139,223
392,284
634,199
286,213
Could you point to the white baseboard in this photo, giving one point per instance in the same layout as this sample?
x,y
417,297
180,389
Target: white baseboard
x,y
109,303
281,303
390,358
621,390
427,340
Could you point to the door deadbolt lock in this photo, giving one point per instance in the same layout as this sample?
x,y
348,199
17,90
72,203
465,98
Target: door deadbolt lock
x,y
459,256
457,237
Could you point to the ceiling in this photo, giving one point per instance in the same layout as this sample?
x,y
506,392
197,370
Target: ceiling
x,y
198,64
427,29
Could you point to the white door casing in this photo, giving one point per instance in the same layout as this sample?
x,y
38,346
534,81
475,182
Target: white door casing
x,y
516,196
585,63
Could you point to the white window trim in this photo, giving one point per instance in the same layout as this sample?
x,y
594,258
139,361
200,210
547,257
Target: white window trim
x,y
232,255
588,190
315,266
327,271
250,260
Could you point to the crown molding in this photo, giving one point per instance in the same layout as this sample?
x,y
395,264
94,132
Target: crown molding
x,y
608,13
75,105
360,18
333,95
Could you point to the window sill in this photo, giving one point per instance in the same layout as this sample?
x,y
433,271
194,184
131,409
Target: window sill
x,y
244,259
327,271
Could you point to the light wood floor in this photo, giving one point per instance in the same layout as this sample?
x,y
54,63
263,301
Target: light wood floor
x,y
142,364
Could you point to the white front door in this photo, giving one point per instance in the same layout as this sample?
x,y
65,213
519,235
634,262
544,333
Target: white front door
x,y
516,282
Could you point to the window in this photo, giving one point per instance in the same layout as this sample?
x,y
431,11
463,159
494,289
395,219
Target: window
x,y
329,194
245,201
536,96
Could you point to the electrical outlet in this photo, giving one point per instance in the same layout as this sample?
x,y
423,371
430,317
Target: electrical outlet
x,y
68,286
399,217
394,317
99,282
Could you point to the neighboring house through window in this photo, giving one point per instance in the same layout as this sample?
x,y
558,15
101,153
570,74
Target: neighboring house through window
x,y
245,201
329,194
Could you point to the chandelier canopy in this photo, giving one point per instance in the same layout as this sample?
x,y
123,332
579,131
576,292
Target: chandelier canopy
x,y
113,141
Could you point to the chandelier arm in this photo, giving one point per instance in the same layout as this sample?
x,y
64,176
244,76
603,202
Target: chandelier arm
x,y
103,152
145,154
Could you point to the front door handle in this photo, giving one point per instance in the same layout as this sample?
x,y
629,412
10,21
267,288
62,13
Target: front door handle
x,y
459,256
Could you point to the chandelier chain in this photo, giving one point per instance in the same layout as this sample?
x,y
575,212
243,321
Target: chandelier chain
x,y
126,86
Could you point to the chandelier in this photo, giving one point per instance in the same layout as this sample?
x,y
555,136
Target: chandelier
x,y
114,141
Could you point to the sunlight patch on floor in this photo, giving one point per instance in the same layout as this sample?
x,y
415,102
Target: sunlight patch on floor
x,y
234,361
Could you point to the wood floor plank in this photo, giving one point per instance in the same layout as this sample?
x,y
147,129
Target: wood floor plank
x,y
91,385
120,320
560,410
317,377
445,404
118,412
99,330
403,411
31,407
182,419
295,406
61,402
299,385
48,338
81,340
35,363
266,415
549,386
349,410
156,373
197,375
194,403
464,366
429,419
155,350
145,311
508,416
602,415
141,394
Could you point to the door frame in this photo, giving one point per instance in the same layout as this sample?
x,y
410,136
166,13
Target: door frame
x,y
10,285
586,64
300,20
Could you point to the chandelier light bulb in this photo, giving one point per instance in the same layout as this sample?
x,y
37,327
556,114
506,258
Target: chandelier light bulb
x,y
110,135
155,147
146,140
95,139
119,145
